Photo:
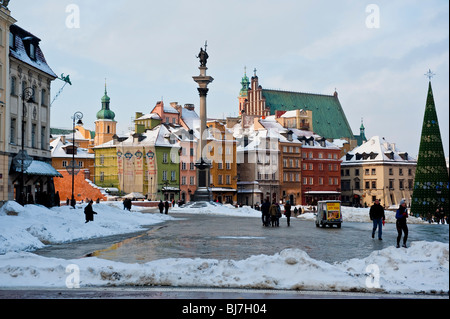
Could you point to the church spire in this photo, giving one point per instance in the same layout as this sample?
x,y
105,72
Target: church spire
x,y
105,113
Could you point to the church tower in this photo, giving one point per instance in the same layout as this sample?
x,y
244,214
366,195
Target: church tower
x,y
105,126
243,94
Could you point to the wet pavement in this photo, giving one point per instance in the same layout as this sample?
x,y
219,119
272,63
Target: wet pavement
x,y
225,237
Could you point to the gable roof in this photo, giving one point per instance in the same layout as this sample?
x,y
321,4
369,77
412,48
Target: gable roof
x,y
329,119
19,51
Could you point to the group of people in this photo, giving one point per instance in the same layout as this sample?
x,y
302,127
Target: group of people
x,y
377,216
271,213
163,206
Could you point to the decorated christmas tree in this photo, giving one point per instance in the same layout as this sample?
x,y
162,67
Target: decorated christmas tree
x,y
431,183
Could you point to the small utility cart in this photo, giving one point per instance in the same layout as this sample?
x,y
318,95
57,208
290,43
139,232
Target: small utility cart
x,y
329,213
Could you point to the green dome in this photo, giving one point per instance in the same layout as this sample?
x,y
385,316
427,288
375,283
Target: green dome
x,y
105,115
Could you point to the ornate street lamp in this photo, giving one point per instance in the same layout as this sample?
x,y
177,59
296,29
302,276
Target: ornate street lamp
x,y
22,159
73,168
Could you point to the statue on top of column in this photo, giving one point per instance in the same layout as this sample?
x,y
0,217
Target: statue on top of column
x,y
203,56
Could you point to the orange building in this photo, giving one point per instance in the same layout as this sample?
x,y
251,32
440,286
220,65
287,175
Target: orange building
x,y
222,152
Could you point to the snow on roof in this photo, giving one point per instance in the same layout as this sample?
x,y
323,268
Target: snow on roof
x,y
19,52
158,136
377,149
58,150
191,118
149,116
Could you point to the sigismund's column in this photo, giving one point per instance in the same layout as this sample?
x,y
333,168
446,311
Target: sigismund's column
x,y
203,165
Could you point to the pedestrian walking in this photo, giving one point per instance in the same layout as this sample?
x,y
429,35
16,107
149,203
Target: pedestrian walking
x,y
166,207
89,212
161,206
274,213
376,214
265,212
401,216
287,212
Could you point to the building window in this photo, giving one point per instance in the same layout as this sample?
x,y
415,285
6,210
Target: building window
x,y
13,86
33,136
164,175
102,159
43,139
374,184
173,176
32,51
183,180
80,164
43,97
228,177
64,163
183,166
12,134
165,158
12,40
374,171
220,179
192,180
102,176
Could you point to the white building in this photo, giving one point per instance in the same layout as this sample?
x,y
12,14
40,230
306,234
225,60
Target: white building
x,y
377,169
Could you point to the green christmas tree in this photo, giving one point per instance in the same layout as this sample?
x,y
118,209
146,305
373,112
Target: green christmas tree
x,y
431,183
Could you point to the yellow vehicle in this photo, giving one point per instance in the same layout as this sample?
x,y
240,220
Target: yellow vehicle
x,y
329,213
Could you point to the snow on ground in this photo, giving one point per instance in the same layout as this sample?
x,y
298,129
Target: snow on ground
x,y
421,268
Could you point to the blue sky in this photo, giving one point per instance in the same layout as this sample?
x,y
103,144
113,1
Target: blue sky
x,y
146,50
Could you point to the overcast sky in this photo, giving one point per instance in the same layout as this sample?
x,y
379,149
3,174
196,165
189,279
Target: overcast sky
x,y
375,53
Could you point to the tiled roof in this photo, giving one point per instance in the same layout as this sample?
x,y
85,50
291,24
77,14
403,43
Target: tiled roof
x,y
329,119
19,51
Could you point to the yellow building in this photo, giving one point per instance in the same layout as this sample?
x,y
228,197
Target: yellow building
x,y
5,22
222,153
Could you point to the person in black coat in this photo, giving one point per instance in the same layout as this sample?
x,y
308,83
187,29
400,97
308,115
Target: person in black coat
x,y
287,212
89,212
377,216
166,206
401,216
161,206
265,207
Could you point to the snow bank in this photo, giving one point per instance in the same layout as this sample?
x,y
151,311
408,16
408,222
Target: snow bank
x,y
33,226
390,270
421,268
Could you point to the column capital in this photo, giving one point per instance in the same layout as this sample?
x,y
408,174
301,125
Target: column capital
x,y
203,91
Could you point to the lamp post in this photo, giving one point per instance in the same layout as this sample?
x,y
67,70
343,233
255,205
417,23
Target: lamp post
x,y
76,116
22,159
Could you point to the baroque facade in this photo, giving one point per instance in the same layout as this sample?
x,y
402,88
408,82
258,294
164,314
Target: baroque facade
x,y
25,114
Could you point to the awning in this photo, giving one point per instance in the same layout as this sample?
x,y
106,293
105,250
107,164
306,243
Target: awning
x,y
39,168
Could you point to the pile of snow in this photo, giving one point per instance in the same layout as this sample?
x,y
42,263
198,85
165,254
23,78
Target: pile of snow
x,y
31,227
421,268
390,270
